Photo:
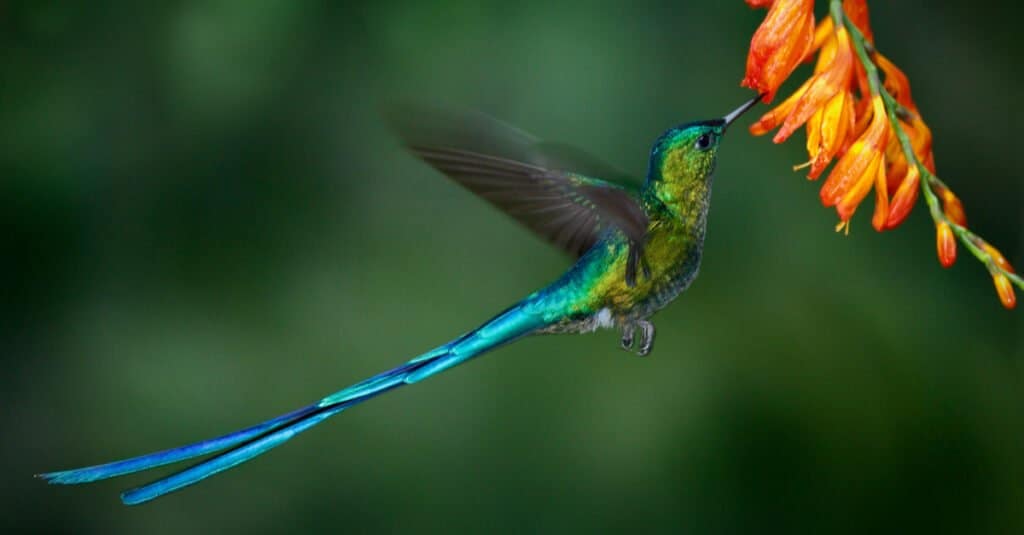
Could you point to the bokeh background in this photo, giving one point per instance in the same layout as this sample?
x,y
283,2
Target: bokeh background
x,y
205,223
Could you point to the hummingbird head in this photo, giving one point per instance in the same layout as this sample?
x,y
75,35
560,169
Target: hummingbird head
x,y
683,158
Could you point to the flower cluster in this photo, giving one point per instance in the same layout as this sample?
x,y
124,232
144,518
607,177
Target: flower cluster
x,y
859,114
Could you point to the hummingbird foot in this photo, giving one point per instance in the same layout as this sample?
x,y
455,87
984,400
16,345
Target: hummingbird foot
x,y
627,337
646,338
646,342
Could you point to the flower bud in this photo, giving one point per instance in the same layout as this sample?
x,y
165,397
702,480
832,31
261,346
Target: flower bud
x,y
1005,290
946,244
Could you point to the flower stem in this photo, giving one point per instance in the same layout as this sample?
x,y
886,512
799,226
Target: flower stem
x,y
971,240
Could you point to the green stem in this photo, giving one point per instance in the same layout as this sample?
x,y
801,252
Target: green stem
x,y
968,238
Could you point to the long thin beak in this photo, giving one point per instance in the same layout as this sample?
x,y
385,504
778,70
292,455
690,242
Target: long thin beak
x,y
733,115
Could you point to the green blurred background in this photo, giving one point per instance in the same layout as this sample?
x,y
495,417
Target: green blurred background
x,y
206,224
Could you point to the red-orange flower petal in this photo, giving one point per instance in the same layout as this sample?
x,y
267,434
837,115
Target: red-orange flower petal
x,y
945,243
1005,290
778,45
904,199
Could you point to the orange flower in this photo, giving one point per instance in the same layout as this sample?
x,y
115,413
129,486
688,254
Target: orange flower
x,y
859,168
779,44
827,131
945,243
1005,290
859,111
835,118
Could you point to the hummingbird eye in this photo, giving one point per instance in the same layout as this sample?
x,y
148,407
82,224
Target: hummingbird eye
x,y
703,142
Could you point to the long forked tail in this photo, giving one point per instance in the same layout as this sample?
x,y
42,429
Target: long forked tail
x,y
252,441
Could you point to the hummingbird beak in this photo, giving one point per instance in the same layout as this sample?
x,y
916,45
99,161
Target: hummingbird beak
x,y
733,115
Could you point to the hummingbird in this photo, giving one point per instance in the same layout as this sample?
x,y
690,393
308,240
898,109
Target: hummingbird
x,y
636,247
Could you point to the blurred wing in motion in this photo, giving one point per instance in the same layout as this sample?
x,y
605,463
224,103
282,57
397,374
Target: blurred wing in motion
x,y
545,186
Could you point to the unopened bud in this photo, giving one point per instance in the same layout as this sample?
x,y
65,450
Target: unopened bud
x,y
946,244
1005,290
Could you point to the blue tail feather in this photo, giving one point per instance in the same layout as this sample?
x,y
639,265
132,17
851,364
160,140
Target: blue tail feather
x,y
161,458
230,459
253,441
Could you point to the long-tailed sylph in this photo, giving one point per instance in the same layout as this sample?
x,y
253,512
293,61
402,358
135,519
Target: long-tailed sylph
x,y
637,249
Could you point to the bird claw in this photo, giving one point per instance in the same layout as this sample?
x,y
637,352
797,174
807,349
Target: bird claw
x,y
646,337
627,337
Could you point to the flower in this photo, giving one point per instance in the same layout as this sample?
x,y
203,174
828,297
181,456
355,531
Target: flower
x,y
860,167
779,44
827,131
836,119
858,111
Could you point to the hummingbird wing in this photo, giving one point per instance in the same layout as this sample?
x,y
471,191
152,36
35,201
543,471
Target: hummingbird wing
x,y
568,209
427,125
546,186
